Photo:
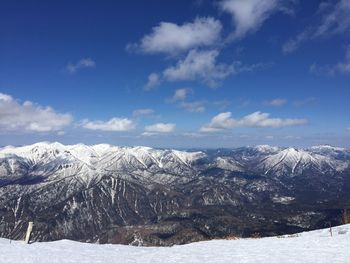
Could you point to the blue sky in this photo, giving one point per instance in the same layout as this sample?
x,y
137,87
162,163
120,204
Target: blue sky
x,y
181,74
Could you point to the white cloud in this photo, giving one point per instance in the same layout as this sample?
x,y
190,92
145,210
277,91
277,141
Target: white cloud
x,y
222,104
83,63
197,44
153,81
194,135
29,117
344,67
149,134
276,102
5,98
334,19
170,38
321,70
341,67
293,44
220,122
180,94
202,66
292,137
249,15
305,102
180,97
195,106
160,128
142,112
114,124
224,121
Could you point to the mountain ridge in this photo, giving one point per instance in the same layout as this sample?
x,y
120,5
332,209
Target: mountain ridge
x,y
112,194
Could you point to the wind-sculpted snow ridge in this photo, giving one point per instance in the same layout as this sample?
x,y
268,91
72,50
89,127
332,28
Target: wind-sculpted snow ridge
x,y
307,247
111,194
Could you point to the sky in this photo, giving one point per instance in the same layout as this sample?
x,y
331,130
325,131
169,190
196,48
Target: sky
x,y
179,74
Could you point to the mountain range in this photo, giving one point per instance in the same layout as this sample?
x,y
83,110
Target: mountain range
x,y
140,195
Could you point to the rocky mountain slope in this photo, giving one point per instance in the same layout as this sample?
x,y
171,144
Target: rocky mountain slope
x,y
131,195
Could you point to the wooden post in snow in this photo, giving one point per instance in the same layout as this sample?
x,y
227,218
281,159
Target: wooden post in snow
x,y
29,232
345,217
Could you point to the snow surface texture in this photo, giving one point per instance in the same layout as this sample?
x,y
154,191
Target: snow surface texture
x,y
315,246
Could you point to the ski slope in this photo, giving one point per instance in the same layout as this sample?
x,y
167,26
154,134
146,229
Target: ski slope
x,y
315,246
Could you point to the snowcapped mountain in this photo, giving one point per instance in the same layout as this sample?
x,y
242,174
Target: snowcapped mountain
x,y
330,151
45,157
59,161
292,161
114,194
96,156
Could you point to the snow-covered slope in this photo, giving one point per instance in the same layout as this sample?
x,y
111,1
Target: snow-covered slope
x,y
314,246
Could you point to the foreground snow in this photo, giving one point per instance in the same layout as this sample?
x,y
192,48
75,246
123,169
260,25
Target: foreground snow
x,y
315,246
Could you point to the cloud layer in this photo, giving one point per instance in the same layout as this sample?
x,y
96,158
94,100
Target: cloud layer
x,y
114,124
224,121
160,128
29,117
